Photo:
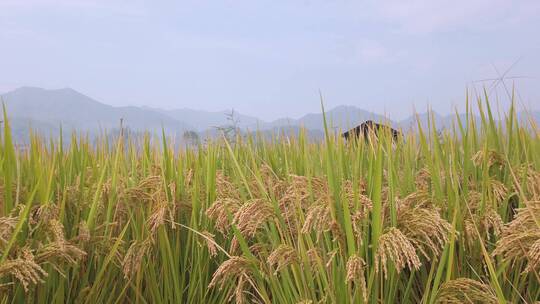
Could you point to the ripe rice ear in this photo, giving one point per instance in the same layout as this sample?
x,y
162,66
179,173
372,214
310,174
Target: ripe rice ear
x,y
396,247
464,290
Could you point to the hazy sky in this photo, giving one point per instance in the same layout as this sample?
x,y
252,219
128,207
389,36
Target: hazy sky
x,y
270,58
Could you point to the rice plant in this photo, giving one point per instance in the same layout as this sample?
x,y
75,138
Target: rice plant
x,y
432,218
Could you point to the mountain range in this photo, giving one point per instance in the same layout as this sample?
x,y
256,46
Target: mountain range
x,y
46,110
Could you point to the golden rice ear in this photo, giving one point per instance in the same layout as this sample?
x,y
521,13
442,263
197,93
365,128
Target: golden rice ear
x,y
235,246
396,247
57,230
238,270
42,214
533,257
314,257
188,178
134,257
7,225
251,216
499,191
356,273
464,290
281,257
348,190
492,158
318,219
25,269
161,214
520,239
225,189
210,243
423,180
419,198
239,291
84,232
359,209
220,211
360,222
474,199
60,249
260,249
493,222
532,180
330,256
487,221
301,194
425,228
272,185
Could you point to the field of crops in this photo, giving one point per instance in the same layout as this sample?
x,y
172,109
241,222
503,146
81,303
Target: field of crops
x,y
451,217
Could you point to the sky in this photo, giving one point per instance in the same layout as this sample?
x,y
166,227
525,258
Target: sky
x,y
271,58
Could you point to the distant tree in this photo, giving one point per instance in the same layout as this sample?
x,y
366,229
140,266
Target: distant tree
x,y
232,128
440,133
191,137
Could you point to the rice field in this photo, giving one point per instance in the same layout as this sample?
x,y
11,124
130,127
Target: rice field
x,y
451,217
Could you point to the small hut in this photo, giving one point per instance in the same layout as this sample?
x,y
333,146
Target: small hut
x,y
367,127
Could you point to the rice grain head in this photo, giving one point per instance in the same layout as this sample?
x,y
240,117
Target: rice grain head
x,y
396,247
318,218
499,191
281,257
465,290
487,221
239,291
161,214
59,250
84,232
533,257
42,214
492,158
210,243
330,258
225,189
133,258
230,270
532,183
356,273
419,198
425,229
314,257
220,211
7,225
25,269
251,216
423,180
520,239
259,249
300,195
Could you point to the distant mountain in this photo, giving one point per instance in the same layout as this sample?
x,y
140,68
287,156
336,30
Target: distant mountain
x,y
46,110
341,117
204,120
441,122
291,131
449,121
20,127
